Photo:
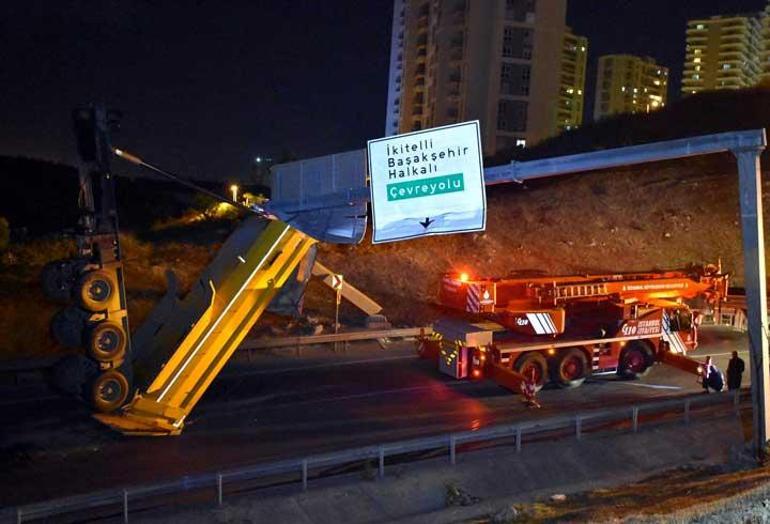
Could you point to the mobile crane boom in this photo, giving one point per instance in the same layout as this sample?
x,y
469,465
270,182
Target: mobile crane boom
x,y
211,323
170,361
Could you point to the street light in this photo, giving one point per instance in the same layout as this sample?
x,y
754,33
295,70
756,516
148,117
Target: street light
x,y
234,189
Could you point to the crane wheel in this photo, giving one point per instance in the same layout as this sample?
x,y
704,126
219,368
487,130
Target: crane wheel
x,y
571,368
109,391
106,342
58,279
68,325
533,362
635,361
96,288
53,279
70,374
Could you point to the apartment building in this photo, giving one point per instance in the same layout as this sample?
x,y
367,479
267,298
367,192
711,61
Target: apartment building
x,y
573,81
724,52
764,61
629,84
499,61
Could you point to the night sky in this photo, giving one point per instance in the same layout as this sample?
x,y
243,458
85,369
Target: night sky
x,y
206,86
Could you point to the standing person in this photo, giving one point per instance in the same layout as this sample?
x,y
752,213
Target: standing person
x,y
735,372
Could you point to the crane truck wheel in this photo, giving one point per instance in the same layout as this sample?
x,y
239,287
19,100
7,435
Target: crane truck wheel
x,y
109,391
71,372
571,368
58,279
96,288
635,361
106,342
533,362
68,325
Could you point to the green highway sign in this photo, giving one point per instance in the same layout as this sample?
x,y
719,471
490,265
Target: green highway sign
x,y
428,182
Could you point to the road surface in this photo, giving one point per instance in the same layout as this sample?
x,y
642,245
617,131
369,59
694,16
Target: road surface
x,y
282,405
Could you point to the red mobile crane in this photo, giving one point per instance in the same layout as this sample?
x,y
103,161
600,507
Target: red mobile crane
x,y
563,329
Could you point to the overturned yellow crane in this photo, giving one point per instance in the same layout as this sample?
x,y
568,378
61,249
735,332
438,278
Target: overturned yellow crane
x,y
205,329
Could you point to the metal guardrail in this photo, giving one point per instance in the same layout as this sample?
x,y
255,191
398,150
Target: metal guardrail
x,y
120,501
349,336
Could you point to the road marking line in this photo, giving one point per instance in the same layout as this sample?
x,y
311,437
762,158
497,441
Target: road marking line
x,y
745,352
651,386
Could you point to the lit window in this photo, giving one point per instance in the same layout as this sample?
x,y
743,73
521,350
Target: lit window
x,y
697,60
520,142
696,77
726,66
700,26
697,68
697,51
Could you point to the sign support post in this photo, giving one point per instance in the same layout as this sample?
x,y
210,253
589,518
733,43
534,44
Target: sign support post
x,y
750,187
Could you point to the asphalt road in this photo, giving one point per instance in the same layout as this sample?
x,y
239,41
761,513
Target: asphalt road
x,y
282,405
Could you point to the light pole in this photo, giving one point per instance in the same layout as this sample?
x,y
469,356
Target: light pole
x,y
234,189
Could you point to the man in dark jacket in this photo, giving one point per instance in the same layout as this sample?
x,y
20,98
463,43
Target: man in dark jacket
x,y
735,372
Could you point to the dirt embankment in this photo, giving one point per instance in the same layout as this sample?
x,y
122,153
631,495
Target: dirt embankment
x,y
664,215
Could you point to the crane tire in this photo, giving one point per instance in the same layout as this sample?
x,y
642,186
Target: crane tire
x,y
635,361
571,368
95,289
57,279
68,326
109,391
533,360
106,342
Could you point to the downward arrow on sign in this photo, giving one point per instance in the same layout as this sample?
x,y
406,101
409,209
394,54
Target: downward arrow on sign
x,y
425,223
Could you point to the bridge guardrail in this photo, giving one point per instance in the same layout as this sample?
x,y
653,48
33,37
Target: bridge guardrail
x,y
122,500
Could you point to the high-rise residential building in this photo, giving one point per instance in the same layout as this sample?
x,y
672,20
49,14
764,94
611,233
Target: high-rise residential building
x,y
764,61
723,52
573,81
498,61
629,84
396,70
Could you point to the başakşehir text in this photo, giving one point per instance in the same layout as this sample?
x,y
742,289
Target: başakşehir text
x,y
418,158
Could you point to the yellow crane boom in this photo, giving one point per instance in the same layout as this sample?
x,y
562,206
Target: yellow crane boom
x,y
205,330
